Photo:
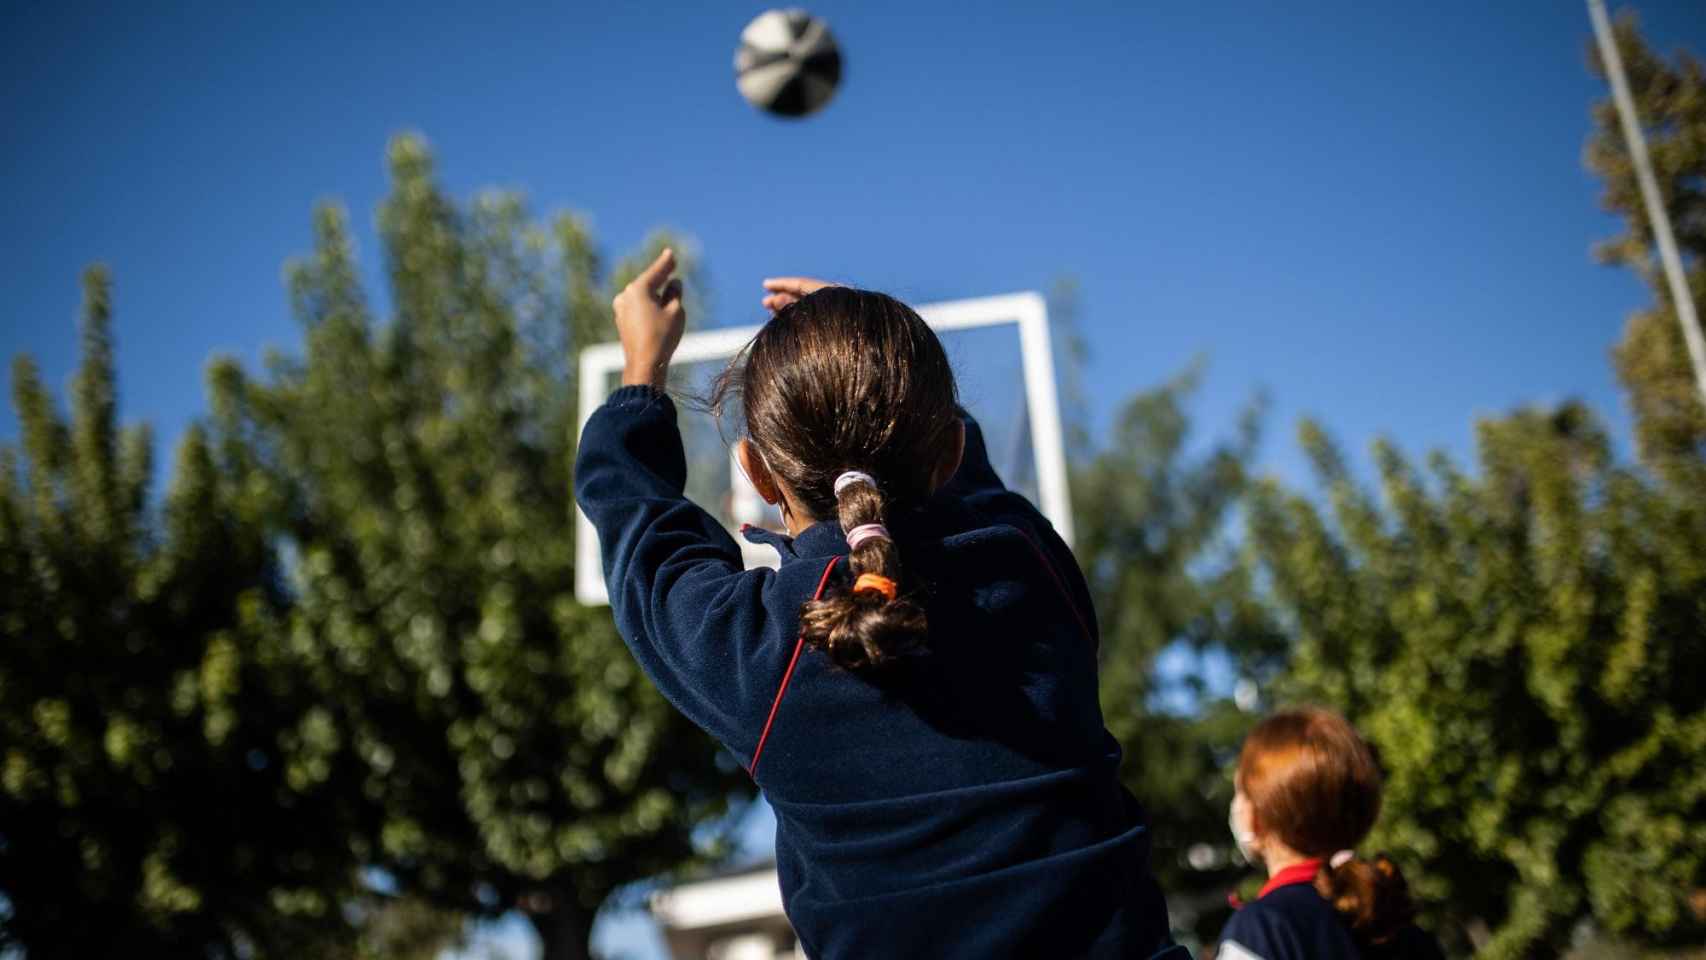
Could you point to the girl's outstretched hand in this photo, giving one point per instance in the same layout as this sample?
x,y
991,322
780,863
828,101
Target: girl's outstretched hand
x,y
781,291
649,320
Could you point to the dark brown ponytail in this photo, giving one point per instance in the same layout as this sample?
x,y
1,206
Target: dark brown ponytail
x,y
865,628
851,380
1370,896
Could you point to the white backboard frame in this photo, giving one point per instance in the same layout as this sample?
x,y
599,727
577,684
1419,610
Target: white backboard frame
x,y
1027,310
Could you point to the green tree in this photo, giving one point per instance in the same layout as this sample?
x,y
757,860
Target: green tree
x,y
1524,648
1651,359
513,753
1524,643
1152,540
152,725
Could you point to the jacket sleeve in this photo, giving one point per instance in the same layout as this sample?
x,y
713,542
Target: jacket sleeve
x,y
1247,935
978,485
694,618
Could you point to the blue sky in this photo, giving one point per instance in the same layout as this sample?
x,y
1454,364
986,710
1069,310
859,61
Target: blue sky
x,y
1376,211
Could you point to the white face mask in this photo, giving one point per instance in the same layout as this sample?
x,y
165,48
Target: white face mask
x,y
1238,819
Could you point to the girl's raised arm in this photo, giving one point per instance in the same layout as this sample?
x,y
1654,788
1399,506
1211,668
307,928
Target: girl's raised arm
x,y
682,599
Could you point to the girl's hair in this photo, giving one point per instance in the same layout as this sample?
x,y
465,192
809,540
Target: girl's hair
x,y
1370,896
1313,782
850,380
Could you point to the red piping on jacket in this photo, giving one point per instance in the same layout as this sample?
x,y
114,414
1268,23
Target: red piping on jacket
x,y
752,769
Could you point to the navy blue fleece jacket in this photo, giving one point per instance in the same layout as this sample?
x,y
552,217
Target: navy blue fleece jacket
x,y
1293,922
964,804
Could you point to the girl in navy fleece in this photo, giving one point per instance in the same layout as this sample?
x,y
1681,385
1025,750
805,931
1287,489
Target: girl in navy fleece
x,y
1307,792
914,689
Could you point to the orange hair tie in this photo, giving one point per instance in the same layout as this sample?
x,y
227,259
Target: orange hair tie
x,y
877,582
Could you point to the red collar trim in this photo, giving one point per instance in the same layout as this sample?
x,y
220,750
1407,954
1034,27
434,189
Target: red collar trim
x,y
1302,872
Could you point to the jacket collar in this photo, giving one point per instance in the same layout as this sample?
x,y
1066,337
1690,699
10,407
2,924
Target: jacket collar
x,y
822,539
1300,872
939,516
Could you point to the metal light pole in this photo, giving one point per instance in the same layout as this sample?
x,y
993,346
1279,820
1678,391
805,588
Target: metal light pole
x,y
1650,193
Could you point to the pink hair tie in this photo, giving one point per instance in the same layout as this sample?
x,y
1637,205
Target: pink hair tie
x,y
1341,858
851,477
866,531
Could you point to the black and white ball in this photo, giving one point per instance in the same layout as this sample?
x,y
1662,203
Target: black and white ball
x,y
787,64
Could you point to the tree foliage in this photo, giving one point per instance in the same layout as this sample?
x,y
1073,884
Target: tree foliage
x,y
1523,647
1523,643
153,724
511,751
1152,539
347,641
1652,360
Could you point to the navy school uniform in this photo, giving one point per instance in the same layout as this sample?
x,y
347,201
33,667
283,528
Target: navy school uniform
x,y
1289,920
964,804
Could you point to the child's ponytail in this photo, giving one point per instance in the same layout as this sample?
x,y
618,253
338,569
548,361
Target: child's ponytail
x,y
840,382
1370,896
872,623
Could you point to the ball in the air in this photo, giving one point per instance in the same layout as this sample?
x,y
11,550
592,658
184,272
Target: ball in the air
x,y
787,63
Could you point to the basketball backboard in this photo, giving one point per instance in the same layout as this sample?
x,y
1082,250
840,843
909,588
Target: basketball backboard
x,y
1003,360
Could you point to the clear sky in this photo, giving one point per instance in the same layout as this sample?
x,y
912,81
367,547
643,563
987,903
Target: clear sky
x,y
1378,211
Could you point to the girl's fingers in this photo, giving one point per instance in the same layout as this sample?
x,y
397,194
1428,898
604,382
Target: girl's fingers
x,y
777,301
798,286
653,276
